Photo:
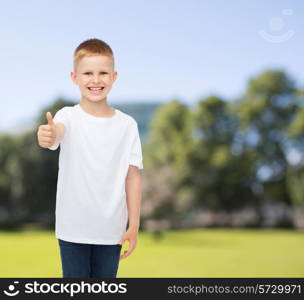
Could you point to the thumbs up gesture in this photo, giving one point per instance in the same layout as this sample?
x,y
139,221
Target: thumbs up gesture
x,y
47,133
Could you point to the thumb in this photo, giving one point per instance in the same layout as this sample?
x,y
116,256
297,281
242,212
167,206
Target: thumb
x,y
49,118
122,240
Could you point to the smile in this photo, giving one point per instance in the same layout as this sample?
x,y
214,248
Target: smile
x,y
95,91
96,88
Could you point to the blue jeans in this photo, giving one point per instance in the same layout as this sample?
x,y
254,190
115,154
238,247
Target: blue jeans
x,y
89,260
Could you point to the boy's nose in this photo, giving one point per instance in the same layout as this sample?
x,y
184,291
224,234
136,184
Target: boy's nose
x,y
95,81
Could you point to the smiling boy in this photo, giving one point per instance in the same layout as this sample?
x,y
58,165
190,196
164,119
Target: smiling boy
x,y
99,178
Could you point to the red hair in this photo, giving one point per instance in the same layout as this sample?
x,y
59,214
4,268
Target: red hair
x,y
92,47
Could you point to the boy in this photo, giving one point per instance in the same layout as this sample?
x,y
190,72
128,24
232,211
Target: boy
x,y
99,178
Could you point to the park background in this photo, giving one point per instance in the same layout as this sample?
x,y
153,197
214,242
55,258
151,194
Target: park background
x,y
217,90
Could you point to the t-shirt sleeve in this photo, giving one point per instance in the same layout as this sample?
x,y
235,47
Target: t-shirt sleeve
x,y
136,150
61,116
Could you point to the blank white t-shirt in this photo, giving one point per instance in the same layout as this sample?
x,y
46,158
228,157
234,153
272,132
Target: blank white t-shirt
x,y
94,158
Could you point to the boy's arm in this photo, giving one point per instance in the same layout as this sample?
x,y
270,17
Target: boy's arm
x,y
133,194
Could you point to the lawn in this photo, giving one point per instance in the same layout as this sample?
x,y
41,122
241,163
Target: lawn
x,y
188,253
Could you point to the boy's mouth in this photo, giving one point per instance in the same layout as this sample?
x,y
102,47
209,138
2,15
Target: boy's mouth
x,y
96,90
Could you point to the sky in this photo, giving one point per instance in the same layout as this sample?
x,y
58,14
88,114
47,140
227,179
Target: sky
x,y
164,50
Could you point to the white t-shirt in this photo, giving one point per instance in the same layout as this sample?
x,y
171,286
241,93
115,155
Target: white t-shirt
x,y
94,158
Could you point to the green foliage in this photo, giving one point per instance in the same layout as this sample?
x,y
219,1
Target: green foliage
x,y
166,157
295,130
295,185
8,148
271,83
169,139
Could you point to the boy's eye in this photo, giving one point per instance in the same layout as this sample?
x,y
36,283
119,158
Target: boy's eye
x,y
89,73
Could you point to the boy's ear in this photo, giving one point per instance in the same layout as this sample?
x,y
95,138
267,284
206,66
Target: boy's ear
x,y
115,76
73,76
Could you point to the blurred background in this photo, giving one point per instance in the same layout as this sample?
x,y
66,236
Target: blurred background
x,y
217,89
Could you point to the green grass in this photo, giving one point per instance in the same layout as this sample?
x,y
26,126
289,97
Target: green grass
x,y
193,253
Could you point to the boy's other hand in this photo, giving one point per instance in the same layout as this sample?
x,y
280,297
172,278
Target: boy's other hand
x,y
131,236
47,133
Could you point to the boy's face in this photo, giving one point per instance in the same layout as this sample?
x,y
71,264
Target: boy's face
x,y
94,72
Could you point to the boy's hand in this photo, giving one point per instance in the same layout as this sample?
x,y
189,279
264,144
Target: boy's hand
x,y
131,236
47,133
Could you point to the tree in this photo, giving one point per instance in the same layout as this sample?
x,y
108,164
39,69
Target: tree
x,y
266,111
167,170
220,172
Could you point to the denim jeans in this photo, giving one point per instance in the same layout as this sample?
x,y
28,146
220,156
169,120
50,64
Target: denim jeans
x,y
89,260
